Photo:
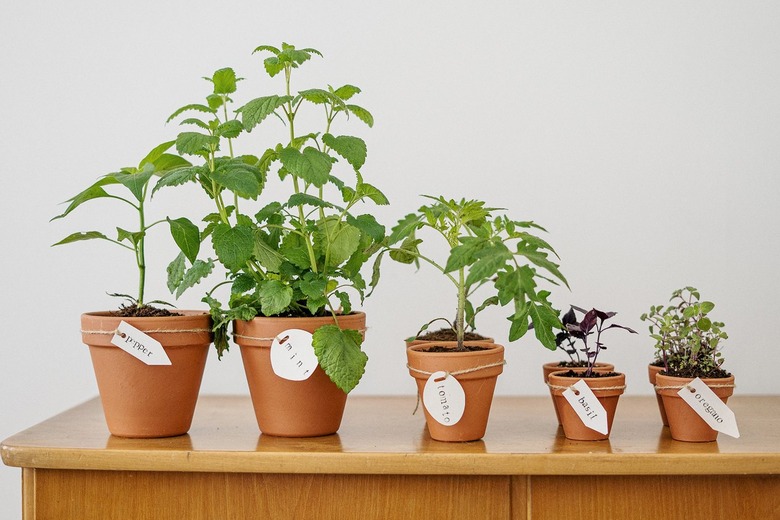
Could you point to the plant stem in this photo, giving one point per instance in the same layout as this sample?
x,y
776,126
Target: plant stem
x,y
140,252
460,316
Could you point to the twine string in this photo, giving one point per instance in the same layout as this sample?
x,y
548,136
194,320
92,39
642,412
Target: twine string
x,y
689,387
459,372
155,331
558,387
254,338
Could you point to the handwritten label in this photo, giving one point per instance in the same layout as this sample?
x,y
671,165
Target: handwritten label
x,y
587,406
444,398
139,345
709,407
292,355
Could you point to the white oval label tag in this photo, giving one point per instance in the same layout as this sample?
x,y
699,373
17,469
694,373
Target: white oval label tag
x,y
444,398
587,406
292,355
709,407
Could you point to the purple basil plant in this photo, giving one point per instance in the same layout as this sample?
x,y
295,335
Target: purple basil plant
x,y
593,321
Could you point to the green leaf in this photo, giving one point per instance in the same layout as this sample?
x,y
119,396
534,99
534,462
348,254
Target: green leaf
x,y
233,245
464,254
368,225
353,149
311,165
706,307
243,179
491,259
230,129
519,322
367,190
302,199
95,191
155,154
405,227
320,97
82,235
266,255
347,91
187,237
408,252
704,324
339,354
274,297
194,143
194,274
132,236
362,114
346,305
168,161
545,320
179,176
253,113
215,101
195,107
224,81
175,272
273,65
336,240
539,258
269,48
242,283
137,181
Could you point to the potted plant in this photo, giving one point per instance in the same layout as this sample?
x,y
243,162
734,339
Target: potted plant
x,y
292,264
148,361
606,387
490,256
688,344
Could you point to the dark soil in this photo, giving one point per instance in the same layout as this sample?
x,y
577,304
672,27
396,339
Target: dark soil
x,y
466,348
573,364
714,373
449,335
144,311
572,373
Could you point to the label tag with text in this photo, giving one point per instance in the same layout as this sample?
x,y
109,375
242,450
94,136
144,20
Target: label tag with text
x,y
709,407
444,398
587,406
139,345
292,355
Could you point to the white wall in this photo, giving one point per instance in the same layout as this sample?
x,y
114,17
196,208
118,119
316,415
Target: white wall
x,y
643,135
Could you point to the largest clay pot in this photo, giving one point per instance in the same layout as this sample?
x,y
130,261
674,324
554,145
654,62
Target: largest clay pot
x,y
285,408
478,386
140,400
684,423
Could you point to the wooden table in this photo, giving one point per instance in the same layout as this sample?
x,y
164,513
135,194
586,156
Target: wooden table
x,y
383,465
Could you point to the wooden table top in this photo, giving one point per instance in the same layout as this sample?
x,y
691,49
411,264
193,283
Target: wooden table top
x,y
379,435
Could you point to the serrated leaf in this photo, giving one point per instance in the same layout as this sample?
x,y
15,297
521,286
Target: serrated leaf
x,y
347,91
194,143
490,261
273,65
274,297
269,48
368,225
464,254
336,241
230,129
196,122
82,235
267,255
244,180
545,320
194,274
175,272
539,258
178,176
311,165
405,227
339,354
195,106
224,81
215,101
255,111
304,199
353,149
362,114
346,304
187,237
367,190
233,245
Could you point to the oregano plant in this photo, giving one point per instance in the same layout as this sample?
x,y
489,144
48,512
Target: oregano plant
x,y
490,255
130,186
299,255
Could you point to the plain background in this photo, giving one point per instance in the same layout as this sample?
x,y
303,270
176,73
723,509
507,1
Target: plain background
x,y
643,135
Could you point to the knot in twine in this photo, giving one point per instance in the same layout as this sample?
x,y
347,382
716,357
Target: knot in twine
x,y
254,338
558,387
459,372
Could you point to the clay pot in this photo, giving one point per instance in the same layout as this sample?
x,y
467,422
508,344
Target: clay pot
x,y
684,423
652,371
478,386
554,366
140,400
285,408
607,389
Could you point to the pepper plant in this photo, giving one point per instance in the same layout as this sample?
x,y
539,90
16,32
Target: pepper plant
x,y
487,250
688,341
130,185
299,255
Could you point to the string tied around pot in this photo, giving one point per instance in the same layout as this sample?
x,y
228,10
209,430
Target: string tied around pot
x,y
689,387
255,338
459,372
559,387
154,331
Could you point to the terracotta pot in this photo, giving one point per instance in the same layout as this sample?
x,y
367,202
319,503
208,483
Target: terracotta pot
x,y
607,389
478,386
285,408
684,423
554,366
652,371
140,400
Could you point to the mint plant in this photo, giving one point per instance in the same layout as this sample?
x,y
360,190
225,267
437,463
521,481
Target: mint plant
x,y
134,182
688,341
300,255
593,321
486,250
